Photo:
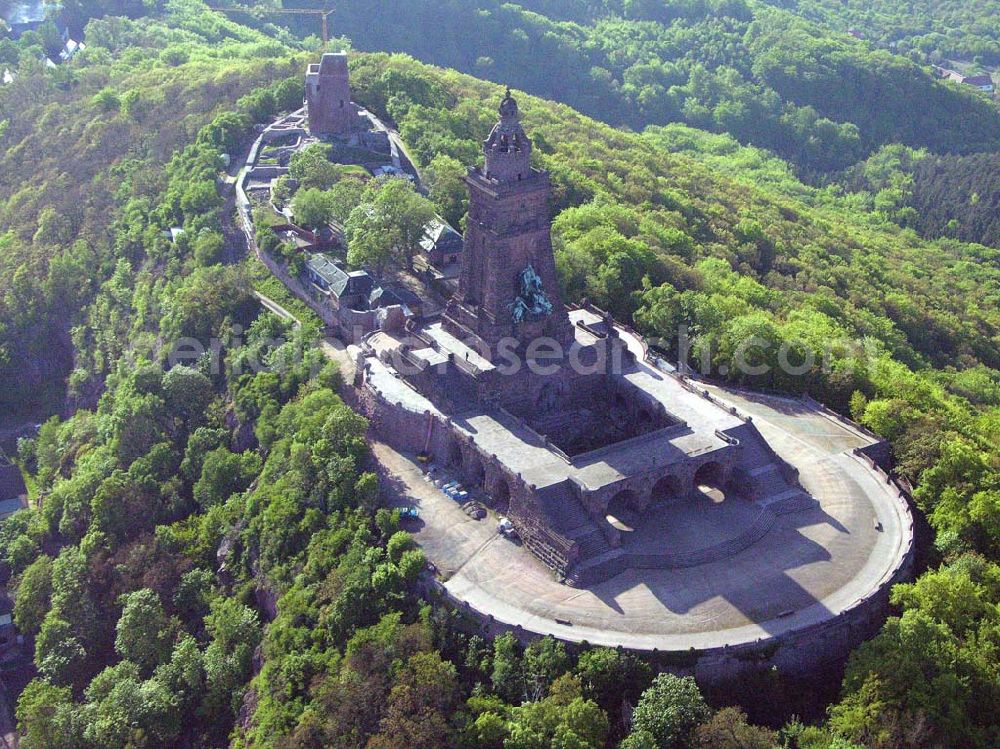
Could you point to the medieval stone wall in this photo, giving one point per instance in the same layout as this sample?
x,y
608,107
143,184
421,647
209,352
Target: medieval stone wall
x,y
798,652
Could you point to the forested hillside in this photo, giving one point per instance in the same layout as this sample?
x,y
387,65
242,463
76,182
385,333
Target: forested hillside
x,y
950,196
782,76
937,30
85,151
192,513
820,100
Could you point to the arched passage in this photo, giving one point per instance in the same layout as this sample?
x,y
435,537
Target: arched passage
x,y
710,474
709,481
623,510
500,494
475,471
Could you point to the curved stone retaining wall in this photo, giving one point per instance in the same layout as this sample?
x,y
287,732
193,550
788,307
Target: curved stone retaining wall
x,y
796,652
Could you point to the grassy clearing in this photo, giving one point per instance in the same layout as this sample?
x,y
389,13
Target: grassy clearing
x,y
265,283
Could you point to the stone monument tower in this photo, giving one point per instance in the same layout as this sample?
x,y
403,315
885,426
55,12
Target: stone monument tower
x,y
328,96
508,283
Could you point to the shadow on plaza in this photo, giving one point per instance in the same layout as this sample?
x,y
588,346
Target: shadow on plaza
x,y
766,592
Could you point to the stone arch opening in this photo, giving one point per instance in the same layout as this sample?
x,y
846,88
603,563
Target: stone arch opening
x,y
475,471
710,474
500,495
623,510
455,454
709,481
667,489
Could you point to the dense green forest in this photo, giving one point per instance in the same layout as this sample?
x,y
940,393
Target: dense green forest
x,y
761,74
774,75
950,196
209,566
936,30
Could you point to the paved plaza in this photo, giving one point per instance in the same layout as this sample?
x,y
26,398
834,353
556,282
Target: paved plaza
x,y
806,567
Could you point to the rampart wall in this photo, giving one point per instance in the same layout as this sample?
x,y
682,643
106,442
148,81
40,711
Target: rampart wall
x,y
794,651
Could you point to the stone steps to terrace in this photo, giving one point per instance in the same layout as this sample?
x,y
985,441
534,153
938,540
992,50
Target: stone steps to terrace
x,y
791,500
549,547
593,544
769,485
563,510
767,481
549,556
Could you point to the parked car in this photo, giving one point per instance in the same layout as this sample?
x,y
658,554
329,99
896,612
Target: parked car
x,y
506,528
409,513
474,510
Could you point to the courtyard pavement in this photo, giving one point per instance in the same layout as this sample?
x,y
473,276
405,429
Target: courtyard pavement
x,y
811,565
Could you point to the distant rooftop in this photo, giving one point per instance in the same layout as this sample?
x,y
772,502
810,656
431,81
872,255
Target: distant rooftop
x,y
978,80
340,281
388,296
438,234
9,506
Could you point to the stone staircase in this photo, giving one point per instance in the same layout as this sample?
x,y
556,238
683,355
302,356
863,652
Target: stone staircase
x,y
596,569
592,543
791,500
552,551
767,480
772,483
563,510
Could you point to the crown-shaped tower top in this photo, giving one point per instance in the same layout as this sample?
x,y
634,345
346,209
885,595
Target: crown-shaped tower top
x,y
508,149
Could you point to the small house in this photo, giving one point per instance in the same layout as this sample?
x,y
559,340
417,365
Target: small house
x,y
70,50
982,82
441,244
345,288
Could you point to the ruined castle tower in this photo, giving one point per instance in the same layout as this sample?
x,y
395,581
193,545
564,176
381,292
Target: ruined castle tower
x,y
508,284
328,96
